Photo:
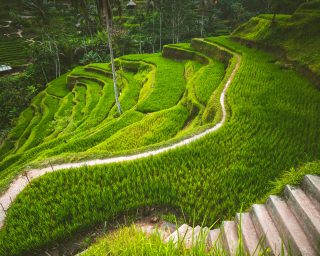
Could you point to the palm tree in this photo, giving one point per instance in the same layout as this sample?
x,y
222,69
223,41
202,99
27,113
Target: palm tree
x,y
39,8
105,11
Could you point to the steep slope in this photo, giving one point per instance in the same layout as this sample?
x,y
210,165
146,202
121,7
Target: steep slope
x,y
296,36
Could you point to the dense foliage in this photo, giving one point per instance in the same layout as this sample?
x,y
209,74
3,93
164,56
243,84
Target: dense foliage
x,y
273,126
12,91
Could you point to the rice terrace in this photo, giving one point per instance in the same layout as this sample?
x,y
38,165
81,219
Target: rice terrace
x,y
159,127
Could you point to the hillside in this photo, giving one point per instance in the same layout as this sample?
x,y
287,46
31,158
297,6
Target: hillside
x,y
273,125
208,128
75,117
296,36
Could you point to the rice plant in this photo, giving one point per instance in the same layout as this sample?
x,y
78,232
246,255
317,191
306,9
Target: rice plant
x,y
273,125
76,117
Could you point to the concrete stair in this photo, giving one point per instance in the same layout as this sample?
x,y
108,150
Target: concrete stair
x,y
249,235
267,230
230,236
288,225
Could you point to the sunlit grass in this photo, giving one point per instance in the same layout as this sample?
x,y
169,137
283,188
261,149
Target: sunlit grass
x,y
273,125
157,96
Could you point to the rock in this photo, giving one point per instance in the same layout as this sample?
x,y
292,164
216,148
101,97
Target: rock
x,y
154,219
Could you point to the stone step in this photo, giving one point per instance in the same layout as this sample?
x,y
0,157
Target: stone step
x,y
230,237
191,236
214,237
164,229
180,234
306,212
167,228
147,229
282,226
249,236
288,226
196,235
150,230
266,230
203,235
311,184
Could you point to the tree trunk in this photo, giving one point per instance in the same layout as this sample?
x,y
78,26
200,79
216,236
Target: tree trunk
x,y
108,20
160,31
54,57
56,64
153,33
140,36
58,59
274,18
178,33
202,25
44,74
173,21
180,21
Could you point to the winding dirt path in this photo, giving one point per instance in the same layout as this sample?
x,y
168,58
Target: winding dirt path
x,y
23,180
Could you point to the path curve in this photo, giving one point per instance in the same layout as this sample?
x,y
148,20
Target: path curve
x,y
23,180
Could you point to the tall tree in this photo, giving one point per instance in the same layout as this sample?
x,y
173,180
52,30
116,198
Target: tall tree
x,y
39,8
203,8
158,4
105,8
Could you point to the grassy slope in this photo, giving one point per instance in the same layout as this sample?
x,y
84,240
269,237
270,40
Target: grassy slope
x,y
83,122
274,125
298,35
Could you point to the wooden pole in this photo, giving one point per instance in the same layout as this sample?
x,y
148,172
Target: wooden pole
x,y
5,212
51,165
26,174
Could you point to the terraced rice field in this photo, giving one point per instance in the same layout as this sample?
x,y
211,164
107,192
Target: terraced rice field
x,y
76,118
13,51
273,125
